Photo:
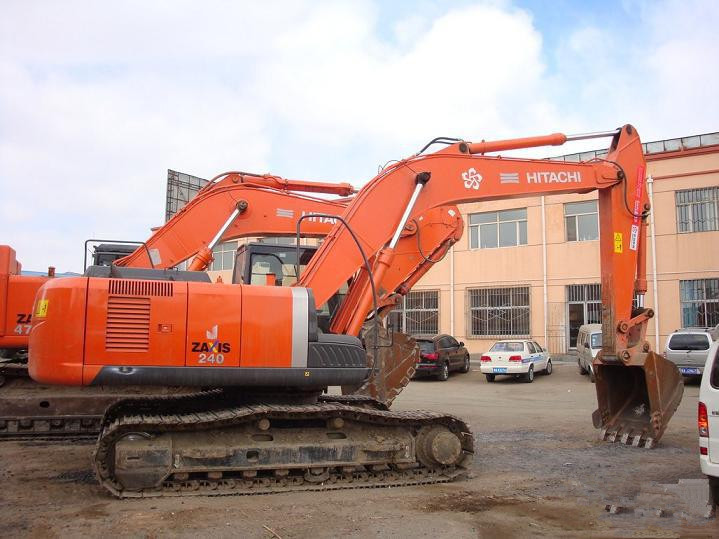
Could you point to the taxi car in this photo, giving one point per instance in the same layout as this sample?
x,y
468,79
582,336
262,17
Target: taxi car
x,y
515,357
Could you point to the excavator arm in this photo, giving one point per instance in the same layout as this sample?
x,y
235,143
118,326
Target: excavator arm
x,y
235,205
637,390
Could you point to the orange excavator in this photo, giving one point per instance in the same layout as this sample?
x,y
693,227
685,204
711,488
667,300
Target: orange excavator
x,y
233,205
267,426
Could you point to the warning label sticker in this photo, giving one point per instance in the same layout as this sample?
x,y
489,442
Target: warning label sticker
x,y
41,309
618,242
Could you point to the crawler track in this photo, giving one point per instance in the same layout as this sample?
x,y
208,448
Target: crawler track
x,y
205,445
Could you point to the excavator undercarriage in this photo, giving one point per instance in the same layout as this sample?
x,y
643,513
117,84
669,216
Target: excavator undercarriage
x,y
215,444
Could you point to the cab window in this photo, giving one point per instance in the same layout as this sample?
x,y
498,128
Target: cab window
x,y
596,341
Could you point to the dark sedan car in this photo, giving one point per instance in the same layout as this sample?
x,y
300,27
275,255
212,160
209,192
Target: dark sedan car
x,y
440,355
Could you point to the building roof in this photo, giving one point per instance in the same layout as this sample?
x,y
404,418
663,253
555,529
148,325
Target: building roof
x,y
651,148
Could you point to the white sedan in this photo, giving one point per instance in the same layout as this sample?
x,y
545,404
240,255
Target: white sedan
x,y
515,357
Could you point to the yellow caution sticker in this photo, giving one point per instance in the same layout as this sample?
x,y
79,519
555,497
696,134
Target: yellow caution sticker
x,y
618,242
41,309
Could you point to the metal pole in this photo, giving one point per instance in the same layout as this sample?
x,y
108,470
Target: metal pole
x,y
544,273
451,290
655,290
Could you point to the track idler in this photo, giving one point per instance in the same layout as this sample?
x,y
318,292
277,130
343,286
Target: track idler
x,y
636,398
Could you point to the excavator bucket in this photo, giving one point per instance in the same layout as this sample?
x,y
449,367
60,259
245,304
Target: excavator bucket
x,y
392,368
636,400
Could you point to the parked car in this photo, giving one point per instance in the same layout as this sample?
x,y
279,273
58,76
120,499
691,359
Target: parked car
x,y
688,348
440,355
515,357
708,420
589,343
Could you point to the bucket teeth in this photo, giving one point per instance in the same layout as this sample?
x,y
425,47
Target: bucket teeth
x,y
627,438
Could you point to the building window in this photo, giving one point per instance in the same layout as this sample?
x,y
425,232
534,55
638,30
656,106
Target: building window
x,y
224,256
697,209
499,312
498,229
699,302
581,220
418,313
279,240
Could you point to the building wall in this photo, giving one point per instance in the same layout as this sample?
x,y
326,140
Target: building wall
x,y
679,256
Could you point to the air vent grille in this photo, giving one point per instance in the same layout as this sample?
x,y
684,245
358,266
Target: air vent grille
x,y
128,324
129,287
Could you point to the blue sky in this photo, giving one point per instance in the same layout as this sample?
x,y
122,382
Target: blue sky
x,y
98,100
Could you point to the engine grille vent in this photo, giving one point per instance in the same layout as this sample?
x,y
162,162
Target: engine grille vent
x,y
128,324
129,287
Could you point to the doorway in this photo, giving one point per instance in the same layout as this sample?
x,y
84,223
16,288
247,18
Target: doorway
x,y
584,306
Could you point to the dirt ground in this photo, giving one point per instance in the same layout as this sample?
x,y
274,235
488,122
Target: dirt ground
x,y
539,471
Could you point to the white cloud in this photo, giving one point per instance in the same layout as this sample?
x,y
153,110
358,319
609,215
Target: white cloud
x,y
97,101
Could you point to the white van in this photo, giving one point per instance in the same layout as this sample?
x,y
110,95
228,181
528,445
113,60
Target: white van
x,y
589,343
708,420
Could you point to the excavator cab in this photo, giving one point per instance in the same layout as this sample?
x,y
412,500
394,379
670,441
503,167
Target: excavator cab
x,y
257,263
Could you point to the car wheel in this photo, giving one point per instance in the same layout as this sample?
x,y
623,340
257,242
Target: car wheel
x,y
443,373
591,374
490,377
548,368
529,377
465,366
582,370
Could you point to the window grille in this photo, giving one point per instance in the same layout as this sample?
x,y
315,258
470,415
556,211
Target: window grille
x,y
498,229
697,209
581,220
699,300
418,313
498,312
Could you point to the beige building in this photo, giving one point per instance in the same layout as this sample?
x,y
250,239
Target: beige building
x,y
530,267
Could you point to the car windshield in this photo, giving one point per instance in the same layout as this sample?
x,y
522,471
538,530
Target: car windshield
x,y
596,341
688,341
507,347
426,346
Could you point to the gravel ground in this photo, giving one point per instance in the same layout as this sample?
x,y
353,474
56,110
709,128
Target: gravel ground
x,y
539,471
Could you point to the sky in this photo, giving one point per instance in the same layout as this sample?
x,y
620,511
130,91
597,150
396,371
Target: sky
x,y
99,99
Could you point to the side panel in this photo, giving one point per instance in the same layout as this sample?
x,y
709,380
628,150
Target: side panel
x,y
57,335
21,290
214,323
267,329
135,322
